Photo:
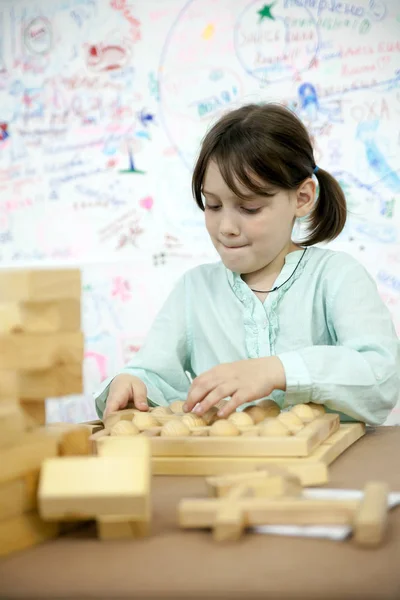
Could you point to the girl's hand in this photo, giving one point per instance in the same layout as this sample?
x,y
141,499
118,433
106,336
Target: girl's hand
x,y
242,380
126,388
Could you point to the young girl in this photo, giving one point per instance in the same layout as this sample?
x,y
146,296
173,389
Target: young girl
x,y
274,319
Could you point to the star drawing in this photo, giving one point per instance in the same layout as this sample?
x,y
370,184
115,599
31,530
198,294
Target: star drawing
x,y
265,12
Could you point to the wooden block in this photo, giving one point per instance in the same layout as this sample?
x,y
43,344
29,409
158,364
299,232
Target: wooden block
x,y
40,351
267,511
73,439
19,496
96,438
24,531
60,380
228,523
39,285
119,415
35,412
12,422
26,455
309,472
300,445
263,483
338,442
133,446
229,520
119,528
40,317
92,486
370,519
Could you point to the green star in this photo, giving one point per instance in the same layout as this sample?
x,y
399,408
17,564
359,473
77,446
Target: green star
x,y
265,12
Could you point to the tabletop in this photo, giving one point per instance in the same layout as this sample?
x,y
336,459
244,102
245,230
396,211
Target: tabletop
x,y
173,563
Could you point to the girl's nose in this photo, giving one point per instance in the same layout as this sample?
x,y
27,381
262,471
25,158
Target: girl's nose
x,y
228,225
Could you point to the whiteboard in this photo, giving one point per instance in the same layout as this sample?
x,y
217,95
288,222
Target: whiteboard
x,y
103,105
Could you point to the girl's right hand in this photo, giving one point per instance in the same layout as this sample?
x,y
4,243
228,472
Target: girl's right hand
x,y
126,388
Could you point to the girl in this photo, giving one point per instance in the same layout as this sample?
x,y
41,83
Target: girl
x,y
274,319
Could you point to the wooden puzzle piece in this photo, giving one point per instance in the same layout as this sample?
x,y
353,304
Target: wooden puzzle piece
x,y
370,521
116,527
266,482
82,487
367,516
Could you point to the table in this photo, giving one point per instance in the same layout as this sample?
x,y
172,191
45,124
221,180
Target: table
x,y
188,564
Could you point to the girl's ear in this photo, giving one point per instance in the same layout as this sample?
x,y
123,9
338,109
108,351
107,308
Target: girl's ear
x,y
305,197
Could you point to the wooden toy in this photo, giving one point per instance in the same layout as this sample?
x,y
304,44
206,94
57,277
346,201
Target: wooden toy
x,y
113,528
19,495
39,285
274,428
272,481
35,411
60,380
124,428
12,422
144,420
119,415
26,455
175,428
370,520
85,487
25,530
229,514
128,526
306,454
40,351
40,317
224,428
72,439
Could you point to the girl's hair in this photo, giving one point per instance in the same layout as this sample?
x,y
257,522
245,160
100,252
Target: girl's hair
x,y
270,143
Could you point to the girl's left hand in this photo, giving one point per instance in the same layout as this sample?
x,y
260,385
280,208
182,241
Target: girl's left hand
x,y
243,380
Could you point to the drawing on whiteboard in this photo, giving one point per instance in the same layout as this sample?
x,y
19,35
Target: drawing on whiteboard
x,y
104,105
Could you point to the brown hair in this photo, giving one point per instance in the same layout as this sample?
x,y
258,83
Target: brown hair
x,y
269,141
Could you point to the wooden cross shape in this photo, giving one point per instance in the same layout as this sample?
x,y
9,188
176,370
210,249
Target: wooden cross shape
x,y
252,502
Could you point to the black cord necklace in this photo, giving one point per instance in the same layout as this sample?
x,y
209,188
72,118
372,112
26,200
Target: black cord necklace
x,y
279,286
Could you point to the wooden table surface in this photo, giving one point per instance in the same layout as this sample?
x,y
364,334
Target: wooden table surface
x,y
188,564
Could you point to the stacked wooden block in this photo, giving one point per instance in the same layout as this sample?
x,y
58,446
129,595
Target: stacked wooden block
x,y
41,345
48,480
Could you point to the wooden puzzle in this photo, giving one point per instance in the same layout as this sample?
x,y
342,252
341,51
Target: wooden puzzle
x,y
303,440
248,504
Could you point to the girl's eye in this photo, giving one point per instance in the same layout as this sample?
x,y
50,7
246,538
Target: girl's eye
x,y
248,211
251,211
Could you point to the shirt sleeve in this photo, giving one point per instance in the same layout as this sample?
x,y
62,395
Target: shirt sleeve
x,y
164,357
360,375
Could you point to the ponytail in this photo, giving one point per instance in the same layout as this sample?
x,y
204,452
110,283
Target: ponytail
x,y
328,216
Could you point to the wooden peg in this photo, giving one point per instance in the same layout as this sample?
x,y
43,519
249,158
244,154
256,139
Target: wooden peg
x,y
370,519
229,519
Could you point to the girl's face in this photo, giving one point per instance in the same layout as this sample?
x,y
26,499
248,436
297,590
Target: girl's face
x,y
248,234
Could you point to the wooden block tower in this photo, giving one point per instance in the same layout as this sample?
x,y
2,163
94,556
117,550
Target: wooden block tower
x,y
41,352
41,345
47,477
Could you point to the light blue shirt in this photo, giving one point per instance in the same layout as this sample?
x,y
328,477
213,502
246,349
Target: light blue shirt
x,y
327,324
